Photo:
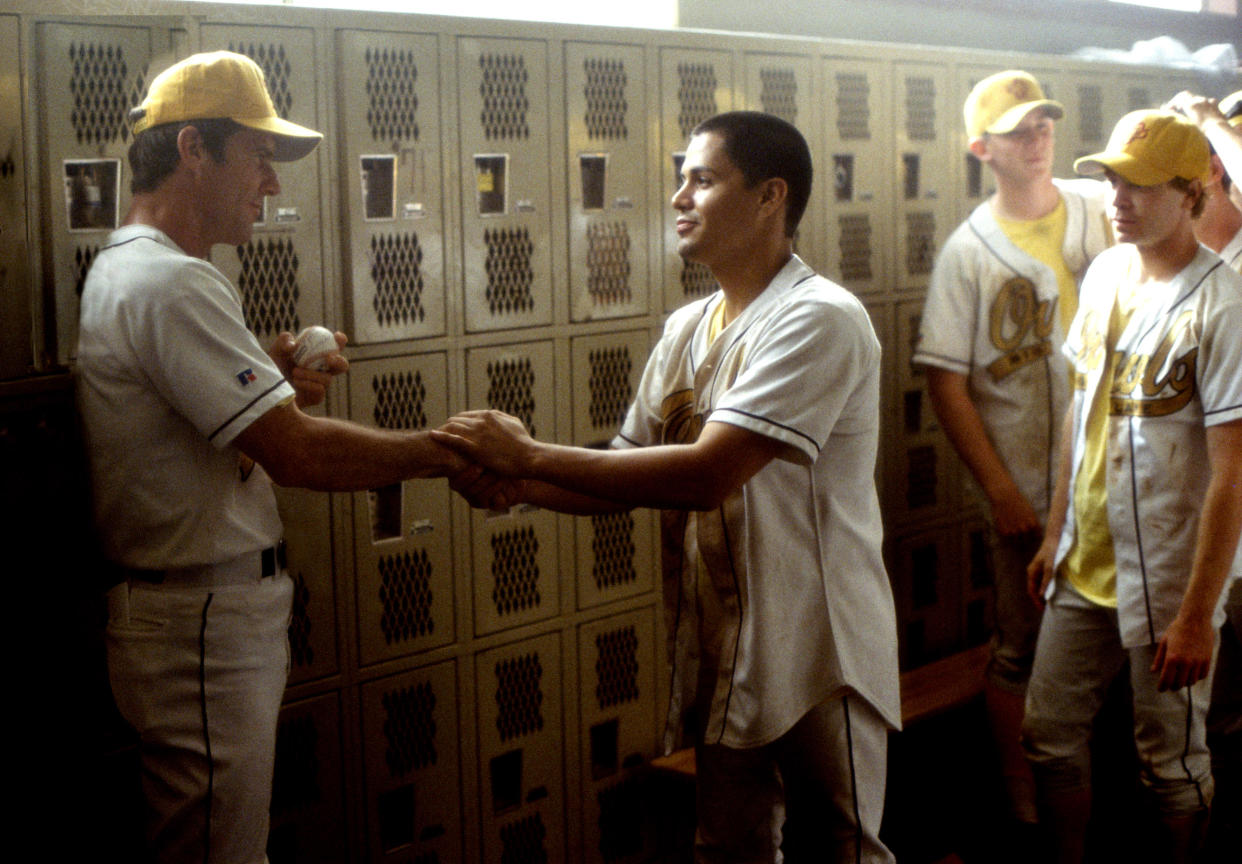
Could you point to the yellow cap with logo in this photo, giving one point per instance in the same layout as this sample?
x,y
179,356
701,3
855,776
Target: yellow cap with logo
x,y
1148,148
221,85
998,103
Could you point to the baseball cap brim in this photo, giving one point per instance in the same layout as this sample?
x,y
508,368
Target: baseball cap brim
x,y
1124,166
1009,121
292,141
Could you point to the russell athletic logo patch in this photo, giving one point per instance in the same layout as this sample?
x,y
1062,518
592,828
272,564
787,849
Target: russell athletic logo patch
x,y
246,376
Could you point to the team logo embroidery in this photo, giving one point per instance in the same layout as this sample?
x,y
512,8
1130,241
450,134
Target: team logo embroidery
x,y
1020,325
681,424
246,376
1157,384
1019,89
1140,132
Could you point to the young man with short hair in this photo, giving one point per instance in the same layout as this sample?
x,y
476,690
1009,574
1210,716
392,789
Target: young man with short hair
x,y
186,418
1148,505
755,430
1002,294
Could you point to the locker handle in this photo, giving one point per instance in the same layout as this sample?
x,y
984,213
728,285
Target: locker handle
x,y
537,794
422,526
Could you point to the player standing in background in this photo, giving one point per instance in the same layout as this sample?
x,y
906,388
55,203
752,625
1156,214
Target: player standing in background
x,y
1148,505
1002,294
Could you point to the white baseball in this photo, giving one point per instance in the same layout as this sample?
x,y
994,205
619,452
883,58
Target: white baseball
x,y
313,346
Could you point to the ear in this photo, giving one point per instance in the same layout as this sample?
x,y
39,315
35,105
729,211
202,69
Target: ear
x,y
1217,170
190,146
772,194
978,146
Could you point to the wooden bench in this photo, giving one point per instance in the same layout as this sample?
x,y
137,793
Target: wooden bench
x,y
925,692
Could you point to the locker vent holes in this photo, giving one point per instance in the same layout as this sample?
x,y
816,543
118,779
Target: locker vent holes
x,y
609,385
515,570
276,72
696,280
696,95
503,89
920,243
396,269
612,545
523,840
268,283
519,699
855,245
391,78
405,594
103,92
605,99
399,398
295,781
616,667
510,388
83,257
608,263
778,93
410,729
921,109
509,271
300,624
853,107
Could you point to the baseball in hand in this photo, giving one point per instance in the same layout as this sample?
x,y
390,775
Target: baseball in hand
x,y
313,347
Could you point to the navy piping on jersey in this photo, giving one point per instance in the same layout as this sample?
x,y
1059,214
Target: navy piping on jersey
x,y
1190,709
202,701
737,638
1134,492
672,678
243,410
130,240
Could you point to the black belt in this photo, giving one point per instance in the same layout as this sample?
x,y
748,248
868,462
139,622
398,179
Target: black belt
x,y
250,567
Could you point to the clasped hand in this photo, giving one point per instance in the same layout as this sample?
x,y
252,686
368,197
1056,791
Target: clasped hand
x,y
497,447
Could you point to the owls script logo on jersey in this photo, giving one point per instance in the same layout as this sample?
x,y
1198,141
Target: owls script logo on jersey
x,y
680,424
1020,325
1153,385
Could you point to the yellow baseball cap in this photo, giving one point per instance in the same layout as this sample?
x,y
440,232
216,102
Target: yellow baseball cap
x,y
1148,148
1231,107
221,85
998,103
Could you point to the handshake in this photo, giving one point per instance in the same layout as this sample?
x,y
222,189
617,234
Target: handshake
x,y
497,457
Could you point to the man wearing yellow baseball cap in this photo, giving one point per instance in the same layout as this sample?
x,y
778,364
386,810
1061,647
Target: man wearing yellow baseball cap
x,y
186,419
1148,505
1000,393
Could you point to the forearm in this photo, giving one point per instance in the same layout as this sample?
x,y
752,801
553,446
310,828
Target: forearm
x,y
1058,507
964,428
551,497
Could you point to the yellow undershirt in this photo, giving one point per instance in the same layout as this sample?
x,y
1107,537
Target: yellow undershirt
x,y
1043,239
716,323
1090,565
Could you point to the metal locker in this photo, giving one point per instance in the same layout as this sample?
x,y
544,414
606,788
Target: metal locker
x,y
978,618
694,85
780,84
613,551
926,575
923,472
514,552
403,540
307,520
922,118
521,751
308,793
389,104
90,75
616,659
606,147
856,174
411,745
505,182
17,334
279,273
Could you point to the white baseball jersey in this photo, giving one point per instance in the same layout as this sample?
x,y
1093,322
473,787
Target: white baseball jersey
x,y
1178,364
1232,253
169,375
777,599
991,315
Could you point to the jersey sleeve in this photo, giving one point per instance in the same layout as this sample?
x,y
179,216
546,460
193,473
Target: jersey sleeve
x,y
806,376
1220,357
199,355
946,331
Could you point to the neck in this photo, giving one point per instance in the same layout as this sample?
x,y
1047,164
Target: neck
x,y
1161,260
745,277
1219,223
166,209
1024,200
